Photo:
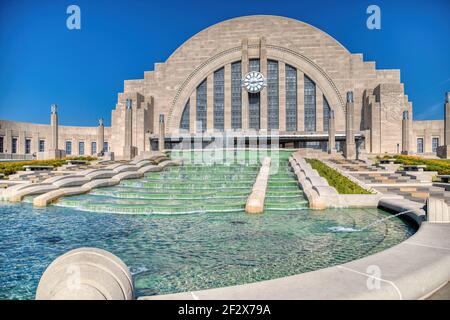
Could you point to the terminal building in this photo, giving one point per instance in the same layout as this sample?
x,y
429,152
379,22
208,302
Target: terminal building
x,y
252,76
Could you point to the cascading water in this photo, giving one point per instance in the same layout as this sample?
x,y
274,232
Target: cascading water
x,y
176,251
195,188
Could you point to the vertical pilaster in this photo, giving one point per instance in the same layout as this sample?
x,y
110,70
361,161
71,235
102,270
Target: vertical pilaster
x,y
193,112
350,149
54,128
331,133
162,130
245,67
21,142
405,132
8,141
35,142
127,153
227,101
100,136
447,119
300,101
282,94
319,109
263,93
210,103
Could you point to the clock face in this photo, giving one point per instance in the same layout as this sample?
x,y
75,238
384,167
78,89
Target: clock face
x,y
254,82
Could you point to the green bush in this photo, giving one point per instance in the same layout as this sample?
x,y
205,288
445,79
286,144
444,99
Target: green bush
x,y
8,168
342,184
441,166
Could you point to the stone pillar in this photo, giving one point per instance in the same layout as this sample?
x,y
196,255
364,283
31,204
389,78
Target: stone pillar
x,y
193,112
209,103
444,151
127,149
405,132
331,133
245,67
162,135
447,119
263,125
100,136
300,101
54,127
350,148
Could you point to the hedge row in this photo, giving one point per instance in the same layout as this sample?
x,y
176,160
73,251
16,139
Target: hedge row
x,y
342,184
8,168
441,166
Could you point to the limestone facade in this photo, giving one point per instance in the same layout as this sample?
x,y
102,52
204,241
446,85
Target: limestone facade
x,y
305,69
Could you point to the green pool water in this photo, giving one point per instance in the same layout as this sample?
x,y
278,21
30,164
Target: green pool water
x,y
185,228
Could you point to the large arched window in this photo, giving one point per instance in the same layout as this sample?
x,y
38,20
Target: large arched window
x,y
291,98
272,95
219,99
201,106
326,114
184,123
310,105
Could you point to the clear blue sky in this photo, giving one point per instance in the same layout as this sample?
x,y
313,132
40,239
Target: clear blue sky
x,y
42,62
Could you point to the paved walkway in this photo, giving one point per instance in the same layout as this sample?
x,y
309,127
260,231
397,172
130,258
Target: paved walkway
x,y
390,182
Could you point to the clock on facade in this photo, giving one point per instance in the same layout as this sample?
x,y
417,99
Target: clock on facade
x,y
254,82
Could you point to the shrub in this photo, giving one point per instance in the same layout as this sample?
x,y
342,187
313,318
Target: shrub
x,y
8,168
441,166
342,184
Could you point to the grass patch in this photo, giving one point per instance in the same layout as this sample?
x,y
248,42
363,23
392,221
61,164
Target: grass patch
x,y
342,184
441,166
8,168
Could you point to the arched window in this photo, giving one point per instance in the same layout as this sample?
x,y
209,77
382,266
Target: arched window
x,y
272,95
326,114
184,123
310,105
291,98
219,93
201,106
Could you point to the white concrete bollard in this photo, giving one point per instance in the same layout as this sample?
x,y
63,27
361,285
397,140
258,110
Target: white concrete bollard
x,y
86,274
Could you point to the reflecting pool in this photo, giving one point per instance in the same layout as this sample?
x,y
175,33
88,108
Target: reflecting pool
x,y
186,229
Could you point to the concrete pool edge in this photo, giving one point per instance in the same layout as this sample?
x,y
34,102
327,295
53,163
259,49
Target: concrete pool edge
x,y
413,269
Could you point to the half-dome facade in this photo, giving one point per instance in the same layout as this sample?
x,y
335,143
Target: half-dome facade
x,y
254,75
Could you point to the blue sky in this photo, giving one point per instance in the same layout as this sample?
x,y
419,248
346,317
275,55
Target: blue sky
x,y
42,62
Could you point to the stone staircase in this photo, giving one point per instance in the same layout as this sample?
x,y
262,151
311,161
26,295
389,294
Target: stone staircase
x,y
390,182
418,194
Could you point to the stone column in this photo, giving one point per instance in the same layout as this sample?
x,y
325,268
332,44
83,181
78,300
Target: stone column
x,y
127,149
245,67
331,133
319,110
350,148
300,101
405,132
263,125
162,129
209,103
100,136
447,119
54,127
193,112
444,151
